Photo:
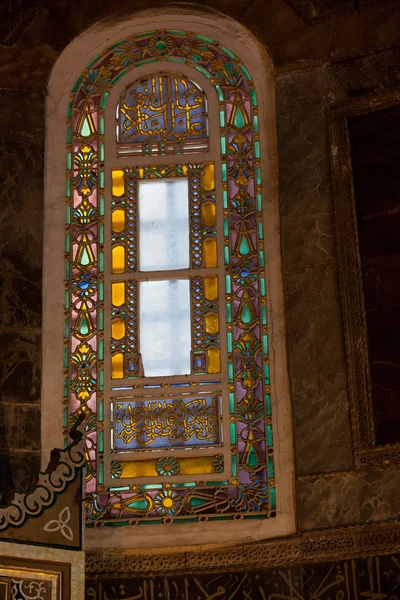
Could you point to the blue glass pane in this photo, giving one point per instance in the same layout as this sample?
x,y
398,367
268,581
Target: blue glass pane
x,y
166,423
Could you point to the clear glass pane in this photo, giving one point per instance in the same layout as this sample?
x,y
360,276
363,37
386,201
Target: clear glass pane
x,y
163,225
165,337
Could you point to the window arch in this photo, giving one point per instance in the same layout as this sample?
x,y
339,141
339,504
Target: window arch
x,y
217,172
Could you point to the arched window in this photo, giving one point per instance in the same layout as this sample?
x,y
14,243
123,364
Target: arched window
x,y
166,326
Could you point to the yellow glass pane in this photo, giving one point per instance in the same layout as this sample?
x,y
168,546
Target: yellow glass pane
x,y
118,259
208,214
194,466
117,366
118,220
118,293
117,329
212,323
147,468
138,468
118,184
210,253
208,176
211,288
214,360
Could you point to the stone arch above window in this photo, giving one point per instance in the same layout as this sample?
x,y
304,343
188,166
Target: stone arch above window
x,y
229,475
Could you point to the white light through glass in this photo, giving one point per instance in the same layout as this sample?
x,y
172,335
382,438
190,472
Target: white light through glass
x,y
165,340
163,225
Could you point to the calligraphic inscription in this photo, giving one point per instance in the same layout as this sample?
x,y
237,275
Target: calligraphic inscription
x,y
166,423
370,578
162,108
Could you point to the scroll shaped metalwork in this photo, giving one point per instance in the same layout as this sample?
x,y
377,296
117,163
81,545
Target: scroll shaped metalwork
x,y
163,114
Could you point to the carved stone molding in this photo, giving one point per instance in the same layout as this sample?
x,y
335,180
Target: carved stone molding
x,y
63,469
367,454
311,547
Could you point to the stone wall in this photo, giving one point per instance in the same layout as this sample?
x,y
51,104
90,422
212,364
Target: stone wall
x,y
319,64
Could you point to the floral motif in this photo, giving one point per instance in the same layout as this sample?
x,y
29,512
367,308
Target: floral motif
x,y
84,285
240,152
244,273
61,524
248,347
218,463
168,503
253,497
167,466
85,170
84,360
116,469
160,45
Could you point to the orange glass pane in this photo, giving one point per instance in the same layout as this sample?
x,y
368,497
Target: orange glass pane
x,y
118,259
118,293
210,252
211,288
118,184
212,323
118,220
208,176
208,214
117,366
214,360
117,329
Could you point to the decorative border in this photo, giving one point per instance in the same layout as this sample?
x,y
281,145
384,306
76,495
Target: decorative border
x,y
63,468
351,285
59,574
250,494
311,547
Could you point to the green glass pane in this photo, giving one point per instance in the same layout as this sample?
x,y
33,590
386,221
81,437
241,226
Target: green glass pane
x,y
260,231
67,243
101,441
69,160
264,315
259,202
117,44
100,469
69,112
262,263
220,93
94,61
101,291
101,381
123,488
85,128
205,39
270,466
246,316
228,313
216,483
234,466
100,411
67,270
232,433
269,435
230,346
225,198
101,206
254,97
230,372
184,485
68,215
240,119
175,59
265,344
101,234
228,284
101,349
203,70
226,255
232,403
78,81
117,524
65,422
102,179
222,118
101,262
268,404
104,99
257,149
101,320
66,328
175,32
101,127
262,286
68,188
119,77
272,498
66,387
224,172
246,73
266,374
67,299
219,518
252,460
255,123
102,152
258,176
228,52
151,486
223,149
244,246
226,226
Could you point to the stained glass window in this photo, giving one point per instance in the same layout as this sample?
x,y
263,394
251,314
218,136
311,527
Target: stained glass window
x,y
166,346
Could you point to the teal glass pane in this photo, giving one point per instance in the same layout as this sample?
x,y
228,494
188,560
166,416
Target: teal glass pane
x,y
231,402
265,344
228,284
101,126
225,198
269,435
266,374
230,346
268,404
101,381
272,498
232,433
222,118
